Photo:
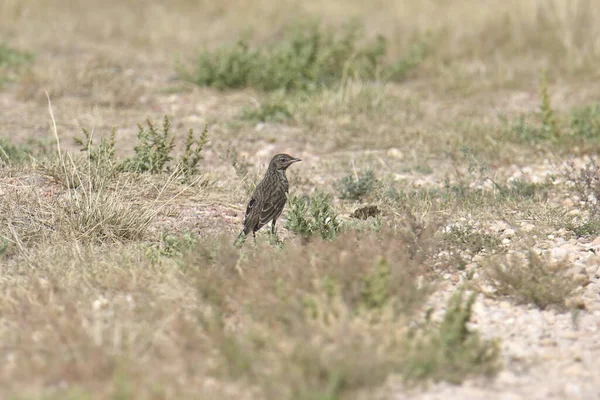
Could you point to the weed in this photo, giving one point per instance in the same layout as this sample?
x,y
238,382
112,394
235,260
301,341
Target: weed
x,y
584,122
468,238
153,149
549,123
520,129
292,309
13,154
587,185
188,161
231,155
357,186
307,58
375,290
452,352
585,228
312,215
535,280
171,245
11,61
101,153
519,189
272,109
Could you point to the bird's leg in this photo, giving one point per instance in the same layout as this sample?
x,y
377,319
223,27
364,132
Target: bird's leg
x,y
274,233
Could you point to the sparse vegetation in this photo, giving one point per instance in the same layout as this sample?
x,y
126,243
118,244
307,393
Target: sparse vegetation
x,y
549,124
153,153
153,149
357,186
11,153
452,351
271,109
533,280
11,62
119,277
312,215
467,238
584,122
293,310
308,57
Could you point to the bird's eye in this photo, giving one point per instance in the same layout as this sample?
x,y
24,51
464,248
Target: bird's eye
x,y
282,159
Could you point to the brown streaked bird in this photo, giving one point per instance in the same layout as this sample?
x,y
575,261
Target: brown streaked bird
x,y
269,197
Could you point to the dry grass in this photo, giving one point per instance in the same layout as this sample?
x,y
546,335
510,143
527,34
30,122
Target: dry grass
x,y
535,280
269,323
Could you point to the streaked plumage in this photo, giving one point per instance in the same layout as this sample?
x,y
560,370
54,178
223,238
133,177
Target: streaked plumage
x,y
269,197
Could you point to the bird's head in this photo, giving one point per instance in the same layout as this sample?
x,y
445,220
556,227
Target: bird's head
x,y
282,161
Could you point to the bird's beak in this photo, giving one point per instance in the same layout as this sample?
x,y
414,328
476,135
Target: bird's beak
x,y
296,160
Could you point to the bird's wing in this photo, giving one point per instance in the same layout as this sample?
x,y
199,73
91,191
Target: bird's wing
x,y
271,209
249,210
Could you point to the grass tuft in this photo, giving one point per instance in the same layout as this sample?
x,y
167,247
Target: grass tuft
x,y
534,280
312,215
452,352
153,149
357,186
12,62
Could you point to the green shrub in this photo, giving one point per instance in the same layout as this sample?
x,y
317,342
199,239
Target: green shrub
x,y
375,290
13,154
188,162
101,153
535,280
270,110
586,228
452,352
171,245
308,57
356,187
587,185
550,126
153,150
584,122
468,238
312,215
11,61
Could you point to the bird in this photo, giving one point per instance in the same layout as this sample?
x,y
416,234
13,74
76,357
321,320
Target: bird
x,y
269,197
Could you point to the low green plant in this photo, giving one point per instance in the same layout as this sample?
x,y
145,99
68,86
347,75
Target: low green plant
x,y
188,161
11,153
101,153
452,352
533,280
153,152
520,189
586,182
550,126
357,186
153,149
468,238
11,62
171,245
308,57
589,227
271,109
312,215
584,122
375,290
